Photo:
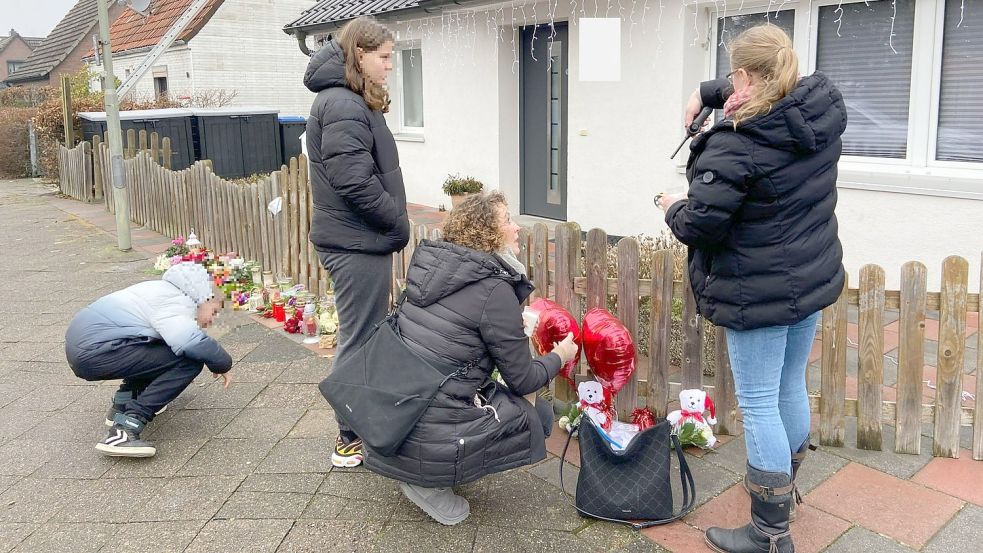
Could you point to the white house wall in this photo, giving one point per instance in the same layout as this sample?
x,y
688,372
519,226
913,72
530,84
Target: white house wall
x,y
177,59
471,112
243,48
632,127
461,116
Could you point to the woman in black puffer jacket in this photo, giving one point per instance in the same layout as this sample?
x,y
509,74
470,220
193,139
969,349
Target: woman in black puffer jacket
x,y
764,256
359,202
463,303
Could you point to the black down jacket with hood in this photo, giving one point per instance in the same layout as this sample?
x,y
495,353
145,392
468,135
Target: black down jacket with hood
x,y
463,305
359,199
759,218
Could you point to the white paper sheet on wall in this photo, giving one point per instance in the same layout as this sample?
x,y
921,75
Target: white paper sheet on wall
x,y
600,49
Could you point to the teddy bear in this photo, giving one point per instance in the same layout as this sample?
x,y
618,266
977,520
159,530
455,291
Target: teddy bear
x,y
595,403
692,404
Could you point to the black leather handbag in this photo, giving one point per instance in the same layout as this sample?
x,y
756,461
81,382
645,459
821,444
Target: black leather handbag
x,y
630,486
381,390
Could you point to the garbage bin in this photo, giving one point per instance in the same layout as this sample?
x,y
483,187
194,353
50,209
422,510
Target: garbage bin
x,y
172,123
291,127
239,141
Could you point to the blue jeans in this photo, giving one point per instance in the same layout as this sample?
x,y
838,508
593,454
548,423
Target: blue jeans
x,y
769,366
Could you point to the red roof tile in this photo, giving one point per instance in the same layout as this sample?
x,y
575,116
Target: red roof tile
x,y
132,30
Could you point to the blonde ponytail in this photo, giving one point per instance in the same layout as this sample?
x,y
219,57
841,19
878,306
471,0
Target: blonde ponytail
x,y
766,52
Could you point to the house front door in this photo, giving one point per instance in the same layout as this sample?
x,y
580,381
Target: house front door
x,y
543,121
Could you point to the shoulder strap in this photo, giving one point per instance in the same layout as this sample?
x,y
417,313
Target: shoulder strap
x,y
685,479
394,311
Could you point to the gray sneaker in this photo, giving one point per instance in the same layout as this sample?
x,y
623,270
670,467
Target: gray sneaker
x,y
442,504
123,439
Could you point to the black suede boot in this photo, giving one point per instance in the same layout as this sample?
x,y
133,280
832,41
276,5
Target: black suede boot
x,y
797,458
771,499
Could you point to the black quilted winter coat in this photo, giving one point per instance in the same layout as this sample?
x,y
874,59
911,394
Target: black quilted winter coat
x,y
463,305
759,217
359,198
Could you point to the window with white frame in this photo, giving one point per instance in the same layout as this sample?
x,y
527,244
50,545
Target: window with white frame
x,y
408,96
866,49
959,134
910,74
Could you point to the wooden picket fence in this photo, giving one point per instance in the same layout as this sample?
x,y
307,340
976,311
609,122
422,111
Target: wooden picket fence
x,y
75,173
227,216
230,216
578,278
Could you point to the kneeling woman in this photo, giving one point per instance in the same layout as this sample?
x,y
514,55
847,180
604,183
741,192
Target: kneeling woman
x,y
463,303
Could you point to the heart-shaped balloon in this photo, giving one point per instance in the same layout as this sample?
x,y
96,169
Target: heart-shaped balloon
x,y
609,348
553,323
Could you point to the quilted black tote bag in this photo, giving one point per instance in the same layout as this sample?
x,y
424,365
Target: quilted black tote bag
x,y
630,486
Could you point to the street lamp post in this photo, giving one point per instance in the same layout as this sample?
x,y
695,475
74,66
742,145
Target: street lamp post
x,y
120,199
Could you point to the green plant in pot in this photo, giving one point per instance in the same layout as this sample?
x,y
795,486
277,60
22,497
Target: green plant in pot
x,y
458,188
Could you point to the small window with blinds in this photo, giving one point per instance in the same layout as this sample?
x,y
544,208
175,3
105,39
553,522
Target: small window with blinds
x,y
960,130
866,49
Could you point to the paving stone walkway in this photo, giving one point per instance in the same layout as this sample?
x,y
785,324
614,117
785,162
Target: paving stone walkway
x,y
247,469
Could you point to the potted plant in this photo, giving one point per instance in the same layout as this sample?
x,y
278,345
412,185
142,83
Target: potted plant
x,y
458,188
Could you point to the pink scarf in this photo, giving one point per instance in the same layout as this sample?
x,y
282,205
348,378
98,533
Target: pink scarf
x,y
736,101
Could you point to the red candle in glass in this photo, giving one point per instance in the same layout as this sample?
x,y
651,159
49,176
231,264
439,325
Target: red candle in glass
x,y
279,314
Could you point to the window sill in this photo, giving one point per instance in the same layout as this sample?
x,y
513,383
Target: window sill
x,y
943,182
409,137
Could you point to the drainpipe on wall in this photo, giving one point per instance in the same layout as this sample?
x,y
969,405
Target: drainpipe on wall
x,y
302,42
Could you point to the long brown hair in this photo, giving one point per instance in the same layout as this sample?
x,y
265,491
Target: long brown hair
x,y
767,52
368,34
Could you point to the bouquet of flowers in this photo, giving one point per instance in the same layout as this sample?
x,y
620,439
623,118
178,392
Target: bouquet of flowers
x,y
180,250
178,247
691,433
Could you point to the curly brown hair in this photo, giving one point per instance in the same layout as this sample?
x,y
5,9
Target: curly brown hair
x,y
474,224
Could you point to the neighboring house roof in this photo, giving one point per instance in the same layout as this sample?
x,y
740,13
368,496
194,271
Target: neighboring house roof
x,y
32,42
132,30
53,50
327,12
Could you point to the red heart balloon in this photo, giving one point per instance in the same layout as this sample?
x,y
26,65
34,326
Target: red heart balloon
x,y
553,325
609,348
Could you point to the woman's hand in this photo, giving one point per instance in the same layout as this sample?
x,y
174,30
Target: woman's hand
x,y
667,200
693,107
567,349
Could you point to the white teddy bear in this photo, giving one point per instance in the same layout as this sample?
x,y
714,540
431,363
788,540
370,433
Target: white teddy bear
x,y
593,402
692,404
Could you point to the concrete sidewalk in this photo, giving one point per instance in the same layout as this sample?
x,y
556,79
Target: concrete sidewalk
x,y
247,469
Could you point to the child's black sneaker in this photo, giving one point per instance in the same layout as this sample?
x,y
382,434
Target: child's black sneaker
x,y
123,440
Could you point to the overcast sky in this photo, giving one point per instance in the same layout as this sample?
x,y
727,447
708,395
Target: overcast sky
x,y
32,17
